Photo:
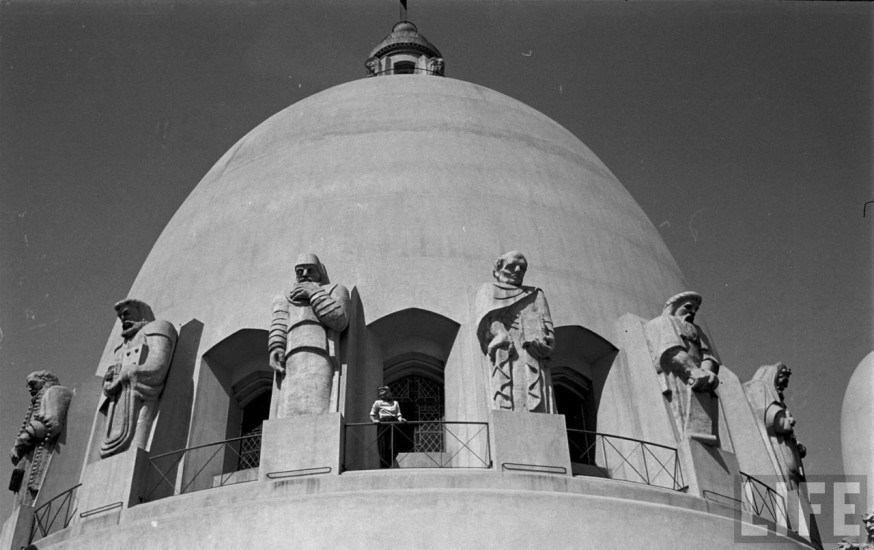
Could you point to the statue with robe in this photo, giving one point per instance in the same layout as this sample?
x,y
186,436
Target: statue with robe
x,y
304,341
686,366
777,426
516,334
133,383
36,440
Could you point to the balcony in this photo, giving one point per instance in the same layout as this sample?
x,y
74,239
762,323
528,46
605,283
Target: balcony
x,y
431,444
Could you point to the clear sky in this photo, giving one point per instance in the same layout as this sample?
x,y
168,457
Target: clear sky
x,y
742,129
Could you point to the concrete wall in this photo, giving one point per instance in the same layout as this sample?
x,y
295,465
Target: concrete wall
x,y
477,510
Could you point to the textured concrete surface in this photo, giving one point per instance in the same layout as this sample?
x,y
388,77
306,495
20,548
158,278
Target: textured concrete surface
x,y
301,444
478,510
857,420
535,442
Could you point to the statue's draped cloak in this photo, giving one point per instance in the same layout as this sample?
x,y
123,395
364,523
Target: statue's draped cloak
x,y
667,333
519,381
140,369
48,413
308,332
767,403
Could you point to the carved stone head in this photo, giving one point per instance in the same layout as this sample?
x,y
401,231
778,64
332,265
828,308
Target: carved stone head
x,y
683,305
781,378
308,268
134,314
510,268
40,379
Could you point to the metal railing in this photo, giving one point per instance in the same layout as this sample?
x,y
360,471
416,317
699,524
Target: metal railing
x,y
46,516
628,459
431,444
763,501
205,467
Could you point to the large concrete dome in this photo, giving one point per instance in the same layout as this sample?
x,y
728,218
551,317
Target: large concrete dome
x,y
408,188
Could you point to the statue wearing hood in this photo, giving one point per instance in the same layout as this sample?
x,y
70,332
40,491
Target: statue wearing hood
x,y
304,340
39,432
686,366
135,380
765,395
516,333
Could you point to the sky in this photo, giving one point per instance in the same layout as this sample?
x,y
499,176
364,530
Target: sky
x,y
742,129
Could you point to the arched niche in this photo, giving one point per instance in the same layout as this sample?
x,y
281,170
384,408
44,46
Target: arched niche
x,y
232,399
579,367
414,345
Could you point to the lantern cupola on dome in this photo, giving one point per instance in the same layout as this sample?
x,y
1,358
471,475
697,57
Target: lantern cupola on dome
x,y
405,51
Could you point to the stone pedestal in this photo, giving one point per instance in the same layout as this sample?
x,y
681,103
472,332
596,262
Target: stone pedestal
x,y
710,472
109,486
529,442
301,445
16,529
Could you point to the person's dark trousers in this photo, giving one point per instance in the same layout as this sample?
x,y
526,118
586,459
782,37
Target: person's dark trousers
x,y
385,440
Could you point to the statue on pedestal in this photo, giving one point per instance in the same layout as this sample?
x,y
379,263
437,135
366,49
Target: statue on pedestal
x,y
515,331
686,366
765,395
39,432
133,383
304,340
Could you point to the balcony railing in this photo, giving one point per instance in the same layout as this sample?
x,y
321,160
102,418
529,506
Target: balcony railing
x,y
763,501
627,459
206,466
54,515
433,444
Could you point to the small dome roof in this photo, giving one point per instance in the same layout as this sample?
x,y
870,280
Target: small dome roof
x,y
404,36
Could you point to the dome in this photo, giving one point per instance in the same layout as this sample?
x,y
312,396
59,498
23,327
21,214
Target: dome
x,y
408,189
404,35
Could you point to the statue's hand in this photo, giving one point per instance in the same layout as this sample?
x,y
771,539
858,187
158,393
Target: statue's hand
x,y
501,340
14,456
802,450
539,349
702,380
303,291
277,361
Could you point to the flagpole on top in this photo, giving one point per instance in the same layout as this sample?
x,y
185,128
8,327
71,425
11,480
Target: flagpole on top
x,y
403,10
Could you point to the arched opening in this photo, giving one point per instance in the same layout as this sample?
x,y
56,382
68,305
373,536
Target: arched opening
x,y
232,400
414,346
579,368
575,400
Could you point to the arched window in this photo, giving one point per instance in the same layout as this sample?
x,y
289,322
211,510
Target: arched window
x,y
581,361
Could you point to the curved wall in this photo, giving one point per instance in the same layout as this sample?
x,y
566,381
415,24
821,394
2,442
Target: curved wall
x,y
857,417
398,509
407,187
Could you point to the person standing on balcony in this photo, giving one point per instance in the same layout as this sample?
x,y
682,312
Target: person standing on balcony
x,y
385,412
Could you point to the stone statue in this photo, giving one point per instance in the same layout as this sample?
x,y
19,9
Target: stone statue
x,y
435,66
372,65
765,395
868,523
39,432
304,340
686,366
515,331
133,383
